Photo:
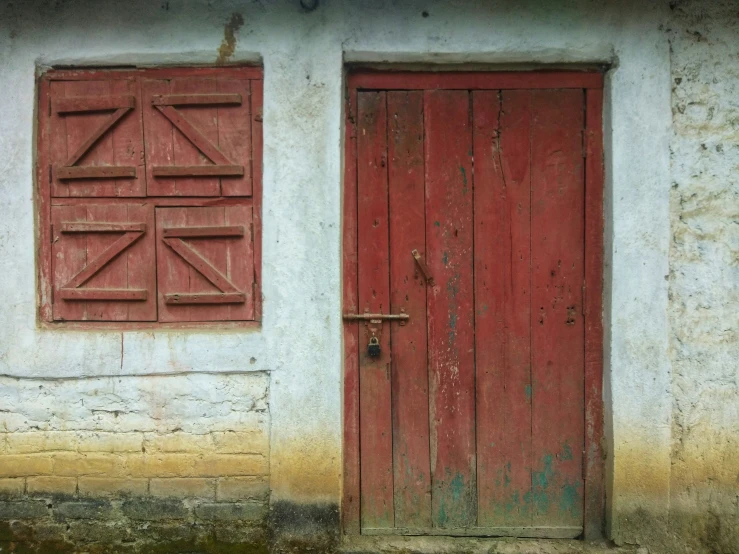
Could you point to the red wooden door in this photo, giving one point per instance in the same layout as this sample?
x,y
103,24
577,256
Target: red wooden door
x,y
469,216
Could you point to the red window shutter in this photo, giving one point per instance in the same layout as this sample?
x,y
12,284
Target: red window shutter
x,y
198,136
205,263
96,146
103,262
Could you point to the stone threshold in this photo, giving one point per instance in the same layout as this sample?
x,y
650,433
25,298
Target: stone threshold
x,y
463,545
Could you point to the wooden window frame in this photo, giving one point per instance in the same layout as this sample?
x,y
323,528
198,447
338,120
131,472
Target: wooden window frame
x,y
44,201
592,83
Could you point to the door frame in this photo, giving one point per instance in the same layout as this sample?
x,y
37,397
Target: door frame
x,y
592,83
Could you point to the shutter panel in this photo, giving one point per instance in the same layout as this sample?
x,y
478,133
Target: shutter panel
x,y
103,262
198,136
96,146
205,263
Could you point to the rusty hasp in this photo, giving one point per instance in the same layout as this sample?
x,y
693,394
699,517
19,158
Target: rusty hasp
x,y
377,318
423,267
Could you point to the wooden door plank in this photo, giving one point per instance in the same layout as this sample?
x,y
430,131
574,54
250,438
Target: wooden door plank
x,y
157,140
196,99
244,72
56,133
93,103
213,252
234,136
593,302
557,227
206,263
93,172
186,152
69,256
376,446
99,255
141,264
104,262
202,265
211,231
473,80
80,127
412,478
107,265
97,227
256,101
103,150
210,170
173,275
104,294
95,135
239,259
182,153
449,245
106,250
194,135
351,490
206,298
502,306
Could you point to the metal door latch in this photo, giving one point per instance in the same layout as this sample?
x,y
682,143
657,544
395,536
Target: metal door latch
x,y
402,317
373,322
423,267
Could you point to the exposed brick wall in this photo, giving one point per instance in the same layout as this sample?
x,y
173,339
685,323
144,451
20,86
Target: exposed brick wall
x,y
108,460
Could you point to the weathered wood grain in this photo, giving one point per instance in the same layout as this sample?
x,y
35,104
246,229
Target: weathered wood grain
x,y
449,247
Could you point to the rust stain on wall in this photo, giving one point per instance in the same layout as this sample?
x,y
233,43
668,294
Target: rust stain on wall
x,y
228,44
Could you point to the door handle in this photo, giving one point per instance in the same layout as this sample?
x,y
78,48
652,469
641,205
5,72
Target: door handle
x,y
423,267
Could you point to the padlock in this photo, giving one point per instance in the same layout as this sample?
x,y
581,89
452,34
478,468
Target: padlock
x,y
373,348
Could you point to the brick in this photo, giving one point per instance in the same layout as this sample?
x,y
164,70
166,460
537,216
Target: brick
x,y
160,465
21,466
154,509
24,509
85,531
110,442
171,532
83,509
12,487
177,443
102,486
52,484
243,534
242,442
41,441
183,487
242,488
229,511
221,465
48,531
86,464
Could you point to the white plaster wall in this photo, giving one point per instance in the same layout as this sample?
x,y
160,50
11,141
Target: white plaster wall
x,y
194,404
704,270
300,341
